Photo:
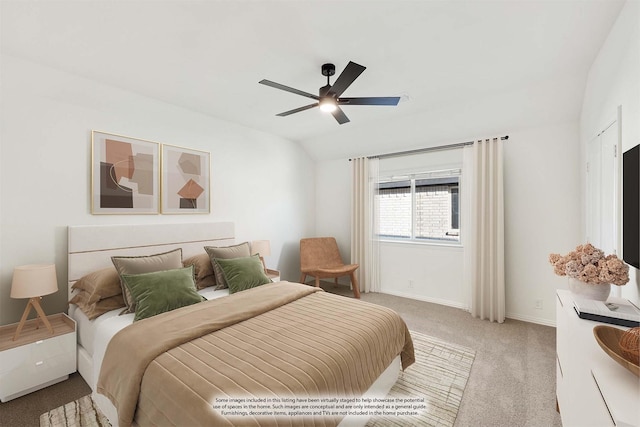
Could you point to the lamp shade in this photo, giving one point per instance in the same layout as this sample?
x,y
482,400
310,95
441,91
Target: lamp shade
x,y
36,280
261,247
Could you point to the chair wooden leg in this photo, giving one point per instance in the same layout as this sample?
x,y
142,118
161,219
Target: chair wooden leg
x,y
355,285
317,282
335,280
303,277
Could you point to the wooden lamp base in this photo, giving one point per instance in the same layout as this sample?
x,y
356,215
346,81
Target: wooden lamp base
x,y
35,303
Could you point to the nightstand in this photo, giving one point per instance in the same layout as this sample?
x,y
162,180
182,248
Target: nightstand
x,y
274,275
37,359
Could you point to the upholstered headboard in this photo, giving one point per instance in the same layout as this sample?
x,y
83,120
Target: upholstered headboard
x,y
91,247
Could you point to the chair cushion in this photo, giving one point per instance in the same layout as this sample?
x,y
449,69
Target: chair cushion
x,y
341,269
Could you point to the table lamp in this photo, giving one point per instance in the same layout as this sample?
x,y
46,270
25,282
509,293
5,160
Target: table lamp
x,y
262,248
34,281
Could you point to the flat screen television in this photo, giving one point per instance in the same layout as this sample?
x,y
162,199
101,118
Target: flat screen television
x,y
631,206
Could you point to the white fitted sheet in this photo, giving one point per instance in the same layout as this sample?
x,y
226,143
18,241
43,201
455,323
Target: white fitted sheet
x,y
87,328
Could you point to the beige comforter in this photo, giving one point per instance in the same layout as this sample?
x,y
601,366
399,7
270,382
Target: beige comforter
x,y
278,340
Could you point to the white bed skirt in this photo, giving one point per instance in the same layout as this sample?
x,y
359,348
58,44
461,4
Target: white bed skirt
x,y
85,366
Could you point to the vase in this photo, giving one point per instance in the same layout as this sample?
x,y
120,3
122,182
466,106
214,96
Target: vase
x,y
598,292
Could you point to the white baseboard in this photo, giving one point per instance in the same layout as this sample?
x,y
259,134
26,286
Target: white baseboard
x,y
448,303
457,304
532,319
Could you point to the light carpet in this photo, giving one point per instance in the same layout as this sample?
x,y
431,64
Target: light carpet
x,y
438,376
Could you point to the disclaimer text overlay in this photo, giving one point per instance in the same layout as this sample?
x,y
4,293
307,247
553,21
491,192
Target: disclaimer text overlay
x,y
318,407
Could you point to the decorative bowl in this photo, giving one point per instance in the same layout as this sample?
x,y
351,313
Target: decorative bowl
x,y
630,345
609,340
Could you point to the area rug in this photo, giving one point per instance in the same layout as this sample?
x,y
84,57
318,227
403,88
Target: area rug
x,y
437,378
79,413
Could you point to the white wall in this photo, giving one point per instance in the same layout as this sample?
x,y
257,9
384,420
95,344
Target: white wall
x,y
542,215
333,203
263,183
614,80
425,272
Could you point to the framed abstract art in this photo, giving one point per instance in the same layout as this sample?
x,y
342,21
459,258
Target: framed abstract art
x,y
185,180
125,175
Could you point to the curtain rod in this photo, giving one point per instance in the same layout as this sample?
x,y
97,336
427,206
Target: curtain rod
x,y
427,149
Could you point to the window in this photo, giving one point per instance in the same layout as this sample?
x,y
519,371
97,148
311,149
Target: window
x,y
419,208
394,201
455,212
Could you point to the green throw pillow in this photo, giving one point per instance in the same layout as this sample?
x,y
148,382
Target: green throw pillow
x,y
242,273
226,252
144,264
162,291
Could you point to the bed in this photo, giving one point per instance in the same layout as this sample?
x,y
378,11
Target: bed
x,y
283,340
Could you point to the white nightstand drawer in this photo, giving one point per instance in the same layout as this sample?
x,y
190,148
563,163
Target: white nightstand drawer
x,y
52,347
26,373
36,359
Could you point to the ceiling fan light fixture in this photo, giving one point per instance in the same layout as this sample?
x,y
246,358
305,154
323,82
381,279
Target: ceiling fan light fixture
x,y
328,105
329,97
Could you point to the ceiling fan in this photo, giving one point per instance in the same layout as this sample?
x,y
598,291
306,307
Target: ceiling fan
x,y
329,98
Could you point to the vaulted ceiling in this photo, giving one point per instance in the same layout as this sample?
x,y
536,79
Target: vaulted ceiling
x,y
208,56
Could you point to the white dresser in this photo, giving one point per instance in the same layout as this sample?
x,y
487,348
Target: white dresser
x,y
36,359
591,388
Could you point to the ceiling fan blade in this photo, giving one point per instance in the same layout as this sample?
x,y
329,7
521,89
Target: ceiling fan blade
x,y
297,110
378,100
288,89
344,80
340,116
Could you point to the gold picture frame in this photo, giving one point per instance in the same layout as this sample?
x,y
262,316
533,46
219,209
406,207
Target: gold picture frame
x,y
185,180
125,176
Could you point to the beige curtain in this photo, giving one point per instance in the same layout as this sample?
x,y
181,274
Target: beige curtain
x,y
364,243
483,240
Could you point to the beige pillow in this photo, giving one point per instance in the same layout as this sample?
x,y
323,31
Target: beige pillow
x,y
98,308
241,250
100,284
144,264
203,270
